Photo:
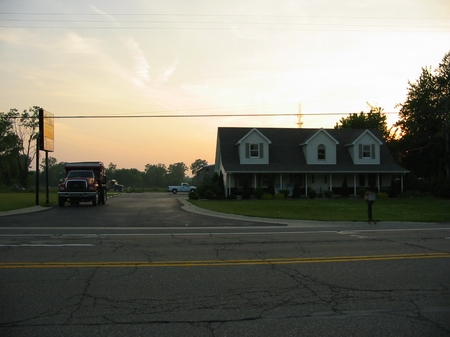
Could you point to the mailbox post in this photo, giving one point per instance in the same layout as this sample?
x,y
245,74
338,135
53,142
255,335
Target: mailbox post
x,y
369,197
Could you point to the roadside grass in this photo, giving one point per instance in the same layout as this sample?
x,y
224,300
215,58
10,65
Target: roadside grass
x,y
397,209
14,200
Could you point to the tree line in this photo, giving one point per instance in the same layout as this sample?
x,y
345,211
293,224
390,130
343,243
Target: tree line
x,y
419,141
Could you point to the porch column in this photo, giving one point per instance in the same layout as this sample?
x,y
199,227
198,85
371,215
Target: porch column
x,y
401,181
281,180
354,183
228,184
306,184
378,182
331,182
254,181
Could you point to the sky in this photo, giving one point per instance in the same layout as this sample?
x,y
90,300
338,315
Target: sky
x,y
115,74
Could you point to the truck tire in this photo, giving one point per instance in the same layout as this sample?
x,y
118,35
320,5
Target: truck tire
x,y
94,201
174,191
192,191
61,201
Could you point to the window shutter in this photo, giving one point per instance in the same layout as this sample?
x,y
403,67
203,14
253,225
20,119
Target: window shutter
x,y
373,151
247,150
261,150
360,151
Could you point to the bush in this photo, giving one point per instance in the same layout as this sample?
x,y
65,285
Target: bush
x,y
382,195
193,195
329,194
312,193
231,197
279,196
285,192
344,189
258,192
267,196
296,192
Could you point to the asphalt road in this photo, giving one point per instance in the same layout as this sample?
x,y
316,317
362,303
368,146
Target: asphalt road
x,y
143,266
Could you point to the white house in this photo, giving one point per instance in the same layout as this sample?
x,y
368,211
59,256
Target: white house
x,y
311,158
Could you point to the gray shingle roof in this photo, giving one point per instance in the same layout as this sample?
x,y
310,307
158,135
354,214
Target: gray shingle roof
x,y
286,154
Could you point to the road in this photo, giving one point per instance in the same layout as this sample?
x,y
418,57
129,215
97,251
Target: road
x,y
143,266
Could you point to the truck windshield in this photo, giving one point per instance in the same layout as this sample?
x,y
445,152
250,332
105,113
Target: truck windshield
x,y
83,174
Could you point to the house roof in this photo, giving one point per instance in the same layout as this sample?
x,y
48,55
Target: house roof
x,y
287,156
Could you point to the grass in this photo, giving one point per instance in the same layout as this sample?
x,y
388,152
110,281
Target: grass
x,y
418,210
15,200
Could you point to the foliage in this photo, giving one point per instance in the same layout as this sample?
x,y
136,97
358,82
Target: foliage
x,y
212,188
279,196
329,194
285,192
296,192
197,164
312,193
176,173
18,135
258,192
424,121
374,119
344,189
246,190
155,175
267,196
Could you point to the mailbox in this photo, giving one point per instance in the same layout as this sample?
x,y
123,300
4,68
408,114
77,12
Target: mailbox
x,y
369,196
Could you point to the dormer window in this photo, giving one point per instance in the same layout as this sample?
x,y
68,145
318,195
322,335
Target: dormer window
x,y
367,151
254,150
321,152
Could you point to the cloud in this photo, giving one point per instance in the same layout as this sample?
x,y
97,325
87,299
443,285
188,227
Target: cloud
x,y
168,72
95,9
141,66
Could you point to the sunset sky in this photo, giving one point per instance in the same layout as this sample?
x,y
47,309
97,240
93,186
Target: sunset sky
x,y
137,59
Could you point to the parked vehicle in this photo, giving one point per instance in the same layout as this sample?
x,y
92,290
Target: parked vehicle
x,y
184,187
84,181
114,185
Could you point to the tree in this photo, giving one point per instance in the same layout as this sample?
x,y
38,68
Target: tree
x,y
424,121
9,150
197,165
176,173
25,126
55,171
374,119
111,169
155,175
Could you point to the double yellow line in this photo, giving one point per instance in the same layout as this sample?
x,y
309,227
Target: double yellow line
x,y
209,263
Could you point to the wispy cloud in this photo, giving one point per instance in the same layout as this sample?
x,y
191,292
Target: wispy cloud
x,y
168,72
114,21
141,66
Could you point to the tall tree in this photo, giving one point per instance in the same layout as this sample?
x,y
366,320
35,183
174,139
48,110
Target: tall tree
x,y
424,120
197,164
374,119
9,150
176,173
155,175
25,126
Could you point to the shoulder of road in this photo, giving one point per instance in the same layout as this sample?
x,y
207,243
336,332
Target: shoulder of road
x,y
188,207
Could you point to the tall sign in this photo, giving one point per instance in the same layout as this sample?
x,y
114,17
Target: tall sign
x,y
46,131
45,142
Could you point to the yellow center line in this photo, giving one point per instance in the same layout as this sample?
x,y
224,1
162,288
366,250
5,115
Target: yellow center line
x,y
202,263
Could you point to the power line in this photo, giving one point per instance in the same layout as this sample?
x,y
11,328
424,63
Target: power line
x,y
205,115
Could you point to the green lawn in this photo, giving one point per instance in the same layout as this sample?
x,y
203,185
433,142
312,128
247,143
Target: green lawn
x,y
420,210
14,200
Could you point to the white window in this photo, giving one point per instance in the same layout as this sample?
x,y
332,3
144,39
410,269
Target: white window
x,y
366,151
321,152
254,150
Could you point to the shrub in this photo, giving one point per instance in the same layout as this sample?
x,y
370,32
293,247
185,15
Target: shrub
x,y
344,189
258,192
279,196
382,195
266,196
312,193
329,194
296,192
193,195
285,192
231,197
